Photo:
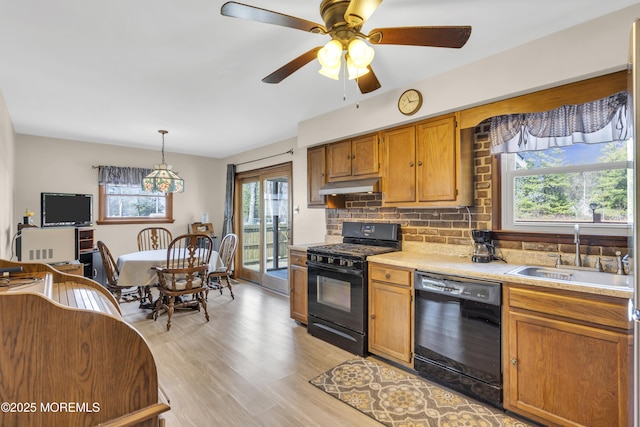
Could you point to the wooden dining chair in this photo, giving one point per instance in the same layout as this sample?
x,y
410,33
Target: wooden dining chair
x,y
185,273
227,254
122,294
151,238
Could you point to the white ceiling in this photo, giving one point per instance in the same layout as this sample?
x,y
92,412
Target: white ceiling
x,y
116,71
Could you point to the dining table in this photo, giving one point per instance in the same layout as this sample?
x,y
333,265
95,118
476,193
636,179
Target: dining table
x,y
135,267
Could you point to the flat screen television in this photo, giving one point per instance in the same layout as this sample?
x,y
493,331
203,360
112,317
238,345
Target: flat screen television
x,y
66,209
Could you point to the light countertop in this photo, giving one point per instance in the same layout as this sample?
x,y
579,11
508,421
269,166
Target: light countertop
x,y
304,246
496,270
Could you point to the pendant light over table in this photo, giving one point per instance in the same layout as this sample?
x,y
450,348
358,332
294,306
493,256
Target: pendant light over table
x,y
162,178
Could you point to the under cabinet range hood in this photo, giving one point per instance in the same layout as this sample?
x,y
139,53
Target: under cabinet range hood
x,y
368,185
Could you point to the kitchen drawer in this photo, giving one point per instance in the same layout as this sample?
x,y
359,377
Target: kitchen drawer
x,y
603,311
298,258
396,276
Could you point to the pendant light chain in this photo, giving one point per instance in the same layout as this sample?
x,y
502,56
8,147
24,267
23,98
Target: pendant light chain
x,y
163,132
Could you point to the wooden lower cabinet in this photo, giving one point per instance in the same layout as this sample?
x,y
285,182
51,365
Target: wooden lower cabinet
x,y
567,357
298,299
391,313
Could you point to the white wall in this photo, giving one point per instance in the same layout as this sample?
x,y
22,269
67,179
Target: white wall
x,y
309,224
594,48
57,165
7,166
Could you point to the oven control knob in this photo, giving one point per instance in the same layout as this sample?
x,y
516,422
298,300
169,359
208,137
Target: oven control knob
x,y
330,260
349,263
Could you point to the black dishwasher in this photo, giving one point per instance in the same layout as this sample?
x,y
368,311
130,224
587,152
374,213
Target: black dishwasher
x,y
457,334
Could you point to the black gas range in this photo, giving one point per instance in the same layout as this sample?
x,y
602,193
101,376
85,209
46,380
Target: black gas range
x,y
338,283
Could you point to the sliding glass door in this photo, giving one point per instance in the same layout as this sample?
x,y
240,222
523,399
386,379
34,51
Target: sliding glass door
x,y
249,230
264,203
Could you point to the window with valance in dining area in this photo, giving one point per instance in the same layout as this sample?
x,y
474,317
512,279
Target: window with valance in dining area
x,y
122,199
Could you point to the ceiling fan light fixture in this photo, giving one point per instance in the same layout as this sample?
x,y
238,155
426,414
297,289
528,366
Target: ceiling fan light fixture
x,y
354,71
343,21
330,56
360,53
331,72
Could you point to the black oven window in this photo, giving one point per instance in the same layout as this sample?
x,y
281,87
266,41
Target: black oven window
x,y
334,293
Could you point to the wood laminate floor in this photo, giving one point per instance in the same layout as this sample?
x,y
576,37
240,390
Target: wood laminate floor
x,y
248,366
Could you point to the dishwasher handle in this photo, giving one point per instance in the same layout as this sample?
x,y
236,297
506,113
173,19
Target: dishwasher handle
x,y
487,292
438,285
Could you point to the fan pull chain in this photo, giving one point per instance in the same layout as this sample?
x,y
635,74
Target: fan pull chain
x,y
357,100
344,80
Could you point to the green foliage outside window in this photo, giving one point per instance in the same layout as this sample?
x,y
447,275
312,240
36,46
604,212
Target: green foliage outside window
x,y
127,202
565,184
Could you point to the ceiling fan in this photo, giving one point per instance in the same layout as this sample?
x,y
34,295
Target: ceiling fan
x,y
343,21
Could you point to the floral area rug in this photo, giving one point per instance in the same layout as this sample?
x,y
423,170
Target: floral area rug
x,y
398,399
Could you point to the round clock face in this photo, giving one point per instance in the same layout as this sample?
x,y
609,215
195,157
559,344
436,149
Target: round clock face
x,y
410,102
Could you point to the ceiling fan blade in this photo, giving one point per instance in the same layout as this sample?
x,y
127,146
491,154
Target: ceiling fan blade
x,y
291,67
359,11
369,82
454,37
252,13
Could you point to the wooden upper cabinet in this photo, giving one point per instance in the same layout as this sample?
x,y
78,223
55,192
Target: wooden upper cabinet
x,y
428,164
317,178
354,158
399,177
316,175
437,160
364,156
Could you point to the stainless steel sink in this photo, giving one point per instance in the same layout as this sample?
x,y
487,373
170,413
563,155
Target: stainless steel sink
x,y
592,278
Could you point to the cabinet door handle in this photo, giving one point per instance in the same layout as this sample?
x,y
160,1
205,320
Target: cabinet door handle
x,y
353,156
387,276
373,316
419,162
514,361
410,164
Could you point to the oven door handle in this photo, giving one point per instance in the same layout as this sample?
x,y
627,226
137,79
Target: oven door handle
x,y
343,270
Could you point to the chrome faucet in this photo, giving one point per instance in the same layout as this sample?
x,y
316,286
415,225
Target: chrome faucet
x,y
621,263
576,240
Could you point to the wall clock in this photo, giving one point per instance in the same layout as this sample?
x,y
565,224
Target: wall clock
x,y
410,102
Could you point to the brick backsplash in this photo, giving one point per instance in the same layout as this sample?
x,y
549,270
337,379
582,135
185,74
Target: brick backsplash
x,y
450,226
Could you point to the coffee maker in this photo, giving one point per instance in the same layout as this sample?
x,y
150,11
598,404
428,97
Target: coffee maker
x,y
483,249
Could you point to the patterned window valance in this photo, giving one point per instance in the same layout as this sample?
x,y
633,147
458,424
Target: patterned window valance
x,y
603,120
116,175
